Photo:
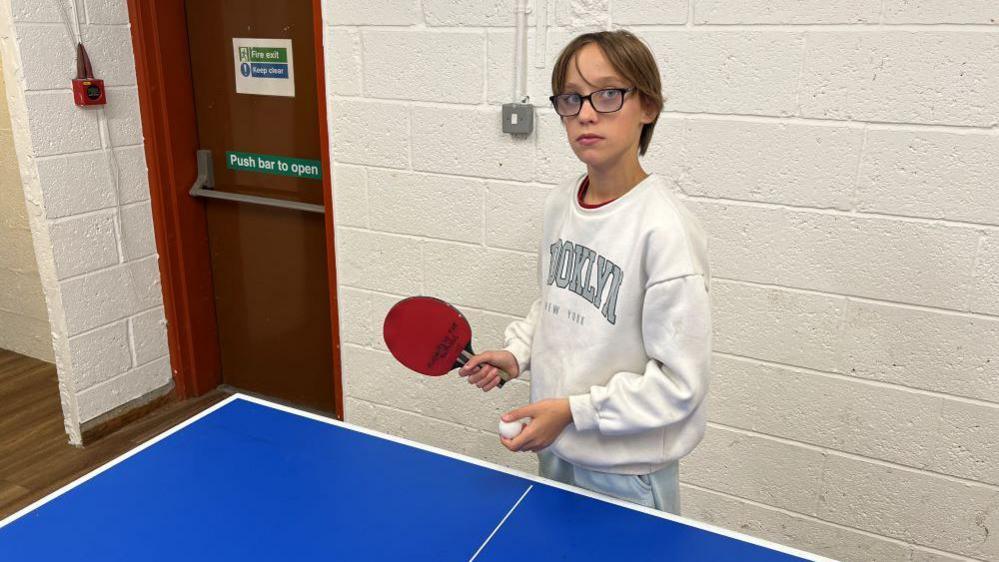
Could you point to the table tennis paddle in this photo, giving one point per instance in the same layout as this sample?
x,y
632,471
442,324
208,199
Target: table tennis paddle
x,y
429,336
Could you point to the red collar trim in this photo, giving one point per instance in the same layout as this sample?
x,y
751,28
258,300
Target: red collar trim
x,y
582,193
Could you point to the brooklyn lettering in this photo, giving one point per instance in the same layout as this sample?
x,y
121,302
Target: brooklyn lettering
x,y
576,268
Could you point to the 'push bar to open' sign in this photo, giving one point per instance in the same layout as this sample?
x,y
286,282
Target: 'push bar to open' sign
x,y
271,164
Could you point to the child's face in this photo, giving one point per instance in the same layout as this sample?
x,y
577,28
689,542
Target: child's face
x,y
602,139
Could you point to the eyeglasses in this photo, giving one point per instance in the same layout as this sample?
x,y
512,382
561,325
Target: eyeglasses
x,y
603,101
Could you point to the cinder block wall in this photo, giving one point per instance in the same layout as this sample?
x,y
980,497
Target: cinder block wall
x,y
843,157
101,282
24,322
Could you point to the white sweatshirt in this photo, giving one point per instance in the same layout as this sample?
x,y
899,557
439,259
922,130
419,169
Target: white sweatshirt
x,y
622,328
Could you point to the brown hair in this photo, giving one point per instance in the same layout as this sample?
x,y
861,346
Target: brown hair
x,y
630,58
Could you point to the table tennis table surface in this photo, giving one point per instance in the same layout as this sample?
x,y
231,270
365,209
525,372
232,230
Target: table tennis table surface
x,y
248,479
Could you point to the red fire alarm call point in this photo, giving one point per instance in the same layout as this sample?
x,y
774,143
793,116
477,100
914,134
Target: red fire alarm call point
x,y
87,90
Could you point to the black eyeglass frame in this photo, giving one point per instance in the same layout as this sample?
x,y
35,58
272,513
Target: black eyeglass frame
x,y
589,97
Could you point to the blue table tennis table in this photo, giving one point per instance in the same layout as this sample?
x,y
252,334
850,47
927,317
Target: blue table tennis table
x,y
252,480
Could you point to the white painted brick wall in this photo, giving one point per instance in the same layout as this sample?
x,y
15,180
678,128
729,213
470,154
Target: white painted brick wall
x,y
872,76
499,67
754,321
112,46
47,12
915,262
84,243
381,262
91,191
151,379
468,142
94,243
911,506
451,208
729,72
933,350
449,267
937,175
370,133
146,328
123,116
450,65
101,354
804,165
986,277
514,215
784,527
345,69
108,12
48,68
469,13
374,12
111,294
786,11
839,412
356,305
968,445
928,11
351,206
581,15
777,473
842,157
137,224
64,129
640,12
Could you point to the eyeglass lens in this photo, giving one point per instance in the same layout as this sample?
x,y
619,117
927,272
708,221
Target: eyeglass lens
x,y
604,101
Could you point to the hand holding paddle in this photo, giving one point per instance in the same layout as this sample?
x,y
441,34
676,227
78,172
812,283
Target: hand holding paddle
x,y
431,337
484,370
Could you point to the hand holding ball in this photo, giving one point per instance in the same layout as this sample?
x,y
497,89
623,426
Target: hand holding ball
x,y
512,429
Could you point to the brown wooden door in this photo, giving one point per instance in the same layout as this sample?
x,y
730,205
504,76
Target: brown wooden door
x,y
269,263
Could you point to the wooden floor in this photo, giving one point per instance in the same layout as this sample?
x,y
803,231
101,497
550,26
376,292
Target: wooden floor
x,y
35,457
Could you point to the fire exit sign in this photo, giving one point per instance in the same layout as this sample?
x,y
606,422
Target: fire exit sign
x,y
264,67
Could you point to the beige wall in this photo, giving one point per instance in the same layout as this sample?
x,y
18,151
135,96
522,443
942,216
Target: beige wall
x,y
24,323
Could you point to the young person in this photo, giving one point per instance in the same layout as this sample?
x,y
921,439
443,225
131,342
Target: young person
x,y
619,342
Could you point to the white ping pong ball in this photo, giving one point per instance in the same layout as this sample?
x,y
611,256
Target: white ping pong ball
x,y
510,429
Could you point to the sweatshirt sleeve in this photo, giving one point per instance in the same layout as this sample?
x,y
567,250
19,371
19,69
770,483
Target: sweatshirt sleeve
x,y
520,336
676,332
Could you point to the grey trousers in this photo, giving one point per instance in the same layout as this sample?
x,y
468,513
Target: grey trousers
x,y
659,490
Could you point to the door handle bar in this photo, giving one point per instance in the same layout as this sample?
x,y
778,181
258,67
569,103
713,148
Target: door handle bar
x,y
205,181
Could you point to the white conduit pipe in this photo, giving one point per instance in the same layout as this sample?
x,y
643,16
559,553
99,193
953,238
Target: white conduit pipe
x,y
520,55
540,32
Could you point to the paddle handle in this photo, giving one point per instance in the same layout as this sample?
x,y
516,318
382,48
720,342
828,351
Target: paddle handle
x,y
504,376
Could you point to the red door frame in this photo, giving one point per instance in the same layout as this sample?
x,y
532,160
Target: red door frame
x,y
166,106
319,34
